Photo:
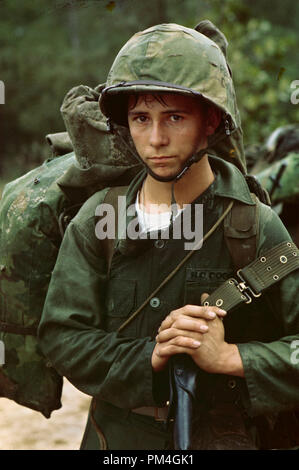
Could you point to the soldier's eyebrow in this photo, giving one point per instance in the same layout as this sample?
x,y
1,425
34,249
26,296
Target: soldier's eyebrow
x,y
177,111
168,111
134,113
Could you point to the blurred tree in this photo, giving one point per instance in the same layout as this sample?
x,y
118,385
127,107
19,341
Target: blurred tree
x,y
263,60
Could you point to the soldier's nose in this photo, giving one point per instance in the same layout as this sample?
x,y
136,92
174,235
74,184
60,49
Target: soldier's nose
x,y
158,136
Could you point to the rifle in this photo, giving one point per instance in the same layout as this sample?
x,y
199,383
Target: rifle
x,y
276,179
183,383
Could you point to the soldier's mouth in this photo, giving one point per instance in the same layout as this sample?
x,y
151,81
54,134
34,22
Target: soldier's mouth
x,y
163,158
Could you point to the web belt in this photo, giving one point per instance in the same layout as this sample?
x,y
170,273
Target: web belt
x,y
251,280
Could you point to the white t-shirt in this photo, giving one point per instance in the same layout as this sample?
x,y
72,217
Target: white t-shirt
x,y
149,221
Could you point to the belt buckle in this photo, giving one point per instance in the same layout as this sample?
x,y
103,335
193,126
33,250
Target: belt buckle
x,y
244,288
159,418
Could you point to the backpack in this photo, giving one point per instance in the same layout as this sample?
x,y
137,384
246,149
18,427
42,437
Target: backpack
x,y
29,242
34,211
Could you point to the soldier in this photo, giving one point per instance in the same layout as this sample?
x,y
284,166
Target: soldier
x,y
278,172
170,87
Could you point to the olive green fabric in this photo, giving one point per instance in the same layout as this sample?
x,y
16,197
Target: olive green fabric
x,y
60,143
83,310
207,28
277,168
125,430
29,243
168,53
281,142
287,188
101,160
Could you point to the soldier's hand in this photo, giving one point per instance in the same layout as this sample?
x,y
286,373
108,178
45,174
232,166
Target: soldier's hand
x,y
215,355
209,356
182,332
212,354
191,318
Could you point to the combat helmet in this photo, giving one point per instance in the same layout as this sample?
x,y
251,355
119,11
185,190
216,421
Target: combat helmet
x,y
282,141
170,58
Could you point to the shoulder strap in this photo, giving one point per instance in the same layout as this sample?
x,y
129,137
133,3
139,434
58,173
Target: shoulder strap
x,y
112,198
253,279
241,232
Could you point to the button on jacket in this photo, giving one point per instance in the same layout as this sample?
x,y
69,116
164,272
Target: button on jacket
x,y
84,309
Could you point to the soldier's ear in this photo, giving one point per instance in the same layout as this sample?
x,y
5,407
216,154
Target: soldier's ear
x,y
213,118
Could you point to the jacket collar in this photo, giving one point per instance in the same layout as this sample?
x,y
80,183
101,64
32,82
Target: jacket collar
x,y
229,182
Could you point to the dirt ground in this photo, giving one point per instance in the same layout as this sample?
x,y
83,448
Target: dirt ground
x,y
25,429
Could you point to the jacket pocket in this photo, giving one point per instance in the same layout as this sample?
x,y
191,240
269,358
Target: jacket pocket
x,y
120,303
199,281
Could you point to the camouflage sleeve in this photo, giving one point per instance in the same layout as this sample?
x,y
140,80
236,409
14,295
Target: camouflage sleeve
x,y
272,368
71,332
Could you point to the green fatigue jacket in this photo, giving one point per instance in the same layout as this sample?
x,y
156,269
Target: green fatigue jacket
x,y
83,311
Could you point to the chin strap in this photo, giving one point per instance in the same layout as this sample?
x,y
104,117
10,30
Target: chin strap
x,y
174,207
215,139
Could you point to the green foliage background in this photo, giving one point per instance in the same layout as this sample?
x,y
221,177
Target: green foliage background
x,y
47,47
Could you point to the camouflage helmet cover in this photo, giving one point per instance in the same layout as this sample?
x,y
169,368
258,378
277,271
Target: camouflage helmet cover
x,y
170,58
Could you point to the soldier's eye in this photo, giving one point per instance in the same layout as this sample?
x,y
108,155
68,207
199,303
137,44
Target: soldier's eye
x,y
140,119
175,117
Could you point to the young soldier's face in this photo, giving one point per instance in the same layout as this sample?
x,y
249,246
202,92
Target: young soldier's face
x,y
167,130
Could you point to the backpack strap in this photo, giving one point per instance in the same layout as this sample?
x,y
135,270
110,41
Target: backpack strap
x,y
111,198
241,228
